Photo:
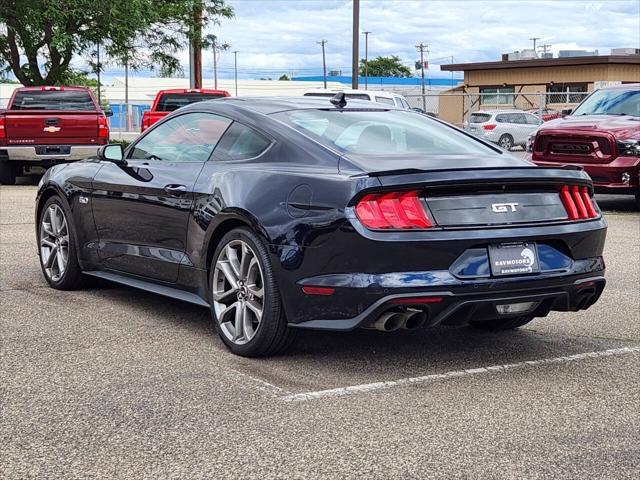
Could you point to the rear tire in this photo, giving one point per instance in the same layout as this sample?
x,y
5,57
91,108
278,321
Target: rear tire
x,y
506,141
8,172
499,324
638,201
245,298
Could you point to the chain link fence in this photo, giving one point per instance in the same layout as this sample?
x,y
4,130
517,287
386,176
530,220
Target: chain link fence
x,y
506,119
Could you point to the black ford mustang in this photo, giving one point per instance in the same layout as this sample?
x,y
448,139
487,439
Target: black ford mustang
x,y
289,213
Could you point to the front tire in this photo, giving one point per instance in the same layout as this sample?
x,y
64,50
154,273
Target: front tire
x,y
57,246
245,299
500,324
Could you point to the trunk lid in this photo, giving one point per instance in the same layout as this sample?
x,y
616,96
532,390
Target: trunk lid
x,y
486,197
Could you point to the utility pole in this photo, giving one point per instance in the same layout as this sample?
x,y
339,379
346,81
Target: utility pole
x,y
534,40
422,48
324,63
544,49
355,61
366,60
235,68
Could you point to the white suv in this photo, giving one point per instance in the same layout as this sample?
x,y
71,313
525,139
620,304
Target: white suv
x,y
377,96
507,128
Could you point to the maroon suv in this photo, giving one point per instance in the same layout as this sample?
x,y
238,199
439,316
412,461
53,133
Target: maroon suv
x,y
602,135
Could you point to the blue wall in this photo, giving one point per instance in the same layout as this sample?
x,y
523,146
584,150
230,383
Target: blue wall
x,y
391,81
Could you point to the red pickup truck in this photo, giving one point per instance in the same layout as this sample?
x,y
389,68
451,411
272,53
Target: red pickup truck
x,y
167,101
42,126
602,135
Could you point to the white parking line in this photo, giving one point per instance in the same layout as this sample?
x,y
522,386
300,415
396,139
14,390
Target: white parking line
x,y
370,387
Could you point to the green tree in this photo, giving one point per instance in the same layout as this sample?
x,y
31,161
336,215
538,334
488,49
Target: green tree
x,y
145,33
385,67
284,76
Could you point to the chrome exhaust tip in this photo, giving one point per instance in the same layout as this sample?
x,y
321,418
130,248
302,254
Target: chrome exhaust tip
x,y
415,319
389,322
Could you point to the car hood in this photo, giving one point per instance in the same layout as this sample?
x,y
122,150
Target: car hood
x,y
620,126
376,163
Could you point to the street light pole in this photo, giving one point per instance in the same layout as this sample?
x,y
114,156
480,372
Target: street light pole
x,y
354,44
235,68
324,63
366,60
215,65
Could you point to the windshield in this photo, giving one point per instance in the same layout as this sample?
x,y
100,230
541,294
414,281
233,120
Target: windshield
x,y
381,132
611,102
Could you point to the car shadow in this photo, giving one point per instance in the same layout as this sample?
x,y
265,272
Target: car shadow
x,y
322,360
617,203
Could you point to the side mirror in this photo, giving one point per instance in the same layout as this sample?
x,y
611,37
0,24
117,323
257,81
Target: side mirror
x,y
112,153
566,111
108,112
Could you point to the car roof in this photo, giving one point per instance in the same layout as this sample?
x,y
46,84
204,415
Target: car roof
x,y
352,91
622,86
269,105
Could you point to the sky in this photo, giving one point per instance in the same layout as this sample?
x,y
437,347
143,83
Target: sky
x,y
280,36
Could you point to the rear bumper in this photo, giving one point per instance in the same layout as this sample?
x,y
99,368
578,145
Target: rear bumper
x,y
29,154
458,304
608,177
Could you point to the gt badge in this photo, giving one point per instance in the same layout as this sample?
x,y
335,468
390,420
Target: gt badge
x,y
503,207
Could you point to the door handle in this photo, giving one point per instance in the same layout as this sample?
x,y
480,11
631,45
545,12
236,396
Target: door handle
x,y
175,190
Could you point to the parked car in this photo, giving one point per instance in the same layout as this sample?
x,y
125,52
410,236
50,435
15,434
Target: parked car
x,y
43,126
167,101
282,214
379,96
507,128
602,136
546,114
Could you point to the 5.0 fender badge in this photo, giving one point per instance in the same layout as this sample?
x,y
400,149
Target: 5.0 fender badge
x,y
83,200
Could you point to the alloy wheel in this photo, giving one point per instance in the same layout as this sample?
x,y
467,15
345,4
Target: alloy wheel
x,y
54,242
238,292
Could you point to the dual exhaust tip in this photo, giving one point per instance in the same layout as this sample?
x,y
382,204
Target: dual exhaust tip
x,y
392,321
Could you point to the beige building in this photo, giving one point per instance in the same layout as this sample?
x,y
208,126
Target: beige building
x,y
553,83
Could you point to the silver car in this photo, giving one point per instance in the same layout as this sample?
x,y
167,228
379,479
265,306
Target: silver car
x,y
507,128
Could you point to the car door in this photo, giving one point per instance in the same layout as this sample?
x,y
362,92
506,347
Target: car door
x,y
141,209
520,128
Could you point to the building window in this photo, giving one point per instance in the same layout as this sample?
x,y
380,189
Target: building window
x,y
567,92
496,96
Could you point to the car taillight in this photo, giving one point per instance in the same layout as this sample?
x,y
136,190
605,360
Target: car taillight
x,y
3,131
491,126
395,210
145,122
103,127
577,202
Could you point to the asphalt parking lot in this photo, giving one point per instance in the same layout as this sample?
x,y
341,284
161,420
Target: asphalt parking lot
x,y
111,382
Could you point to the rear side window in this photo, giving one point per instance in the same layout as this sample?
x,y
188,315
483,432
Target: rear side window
x,y
173,101
240,143
479,117
385,100
53,100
